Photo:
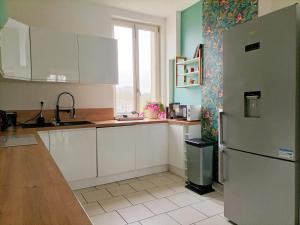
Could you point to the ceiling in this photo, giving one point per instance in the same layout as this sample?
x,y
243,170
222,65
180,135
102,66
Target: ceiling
x,y
162,8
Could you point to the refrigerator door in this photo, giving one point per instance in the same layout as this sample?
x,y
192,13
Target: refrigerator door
x,y
260,79
259,190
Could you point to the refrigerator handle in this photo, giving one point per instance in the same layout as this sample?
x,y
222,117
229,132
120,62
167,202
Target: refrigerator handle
x,y
221,166
221,147
221,130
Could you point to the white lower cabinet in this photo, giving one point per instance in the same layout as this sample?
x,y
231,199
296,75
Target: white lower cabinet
x,y
151,145
75,152
177,146
116,150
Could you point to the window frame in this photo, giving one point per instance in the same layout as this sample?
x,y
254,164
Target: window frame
x,y
155,80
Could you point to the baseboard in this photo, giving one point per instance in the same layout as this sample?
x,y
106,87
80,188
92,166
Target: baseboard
x,y
117,177
178,171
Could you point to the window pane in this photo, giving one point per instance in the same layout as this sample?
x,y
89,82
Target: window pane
x,y
147,66
124,90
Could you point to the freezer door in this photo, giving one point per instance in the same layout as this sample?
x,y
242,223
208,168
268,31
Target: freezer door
x,y
260,80
259,190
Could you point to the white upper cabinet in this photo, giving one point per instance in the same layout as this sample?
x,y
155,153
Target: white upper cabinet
x,y
98,60
15,51
54,56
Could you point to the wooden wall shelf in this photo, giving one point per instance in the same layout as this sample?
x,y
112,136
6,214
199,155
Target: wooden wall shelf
x,y
189,72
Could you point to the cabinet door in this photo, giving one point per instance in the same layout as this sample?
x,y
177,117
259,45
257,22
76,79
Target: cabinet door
x,y
44,135
15,50
54,56
151,145
116,150
74,151
98,62
177,146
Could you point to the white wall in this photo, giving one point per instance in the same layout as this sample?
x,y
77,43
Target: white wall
x,y
267,6
172,45
72,16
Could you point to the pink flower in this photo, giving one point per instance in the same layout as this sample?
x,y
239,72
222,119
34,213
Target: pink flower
x,y
239,18
162,115
209,30
206,114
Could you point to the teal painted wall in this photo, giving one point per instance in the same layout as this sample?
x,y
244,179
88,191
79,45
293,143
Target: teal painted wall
x,y
3,13
191,36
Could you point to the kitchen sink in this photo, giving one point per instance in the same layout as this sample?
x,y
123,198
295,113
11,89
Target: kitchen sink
x,y
69,123
74,123
34,125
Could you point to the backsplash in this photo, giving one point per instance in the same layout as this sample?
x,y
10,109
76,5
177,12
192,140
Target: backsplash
x,y
27,95
218,16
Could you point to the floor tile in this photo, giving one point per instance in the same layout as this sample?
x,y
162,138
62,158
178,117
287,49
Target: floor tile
x,y
84,190
120,190
102,186
161,192
187,215
80,198
164,173
128,181
94,196
208,208
211,195
135,213
177,187
112,218
161,205
148,177
93,209
116,203
139,197
162,219
183,199
216,220
175,178
140,185
219,200
161,180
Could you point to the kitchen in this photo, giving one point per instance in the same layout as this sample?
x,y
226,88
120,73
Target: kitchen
x,y
87,75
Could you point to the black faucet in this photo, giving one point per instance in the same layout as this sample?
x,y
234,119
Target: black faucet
x,y
70,110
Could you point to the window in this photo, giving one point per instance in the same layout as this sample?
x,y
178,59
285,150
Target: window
x,y
138,63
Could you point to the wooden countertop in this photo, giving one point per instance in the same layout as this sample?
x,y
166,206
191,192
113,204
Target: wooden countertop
x,y
32,189
115,123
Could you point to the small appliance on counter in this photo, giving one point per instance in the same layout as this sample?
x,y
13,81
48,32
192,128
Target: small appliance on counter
x,y
174,110
193,112
184,112
129,117
7,119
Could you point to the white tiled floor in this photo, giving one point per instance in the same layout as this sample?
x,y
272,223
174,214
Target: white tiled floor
x,y
158,199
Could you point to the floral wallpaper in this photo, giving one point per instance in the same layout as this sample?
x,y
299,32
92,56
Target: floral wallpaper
x,y
218,16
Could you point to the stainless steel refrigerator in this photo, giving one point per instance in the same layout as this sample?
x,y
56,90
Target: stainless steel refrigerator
x,y
259,160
